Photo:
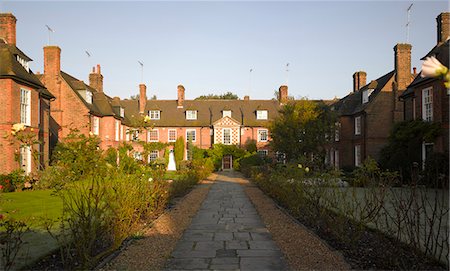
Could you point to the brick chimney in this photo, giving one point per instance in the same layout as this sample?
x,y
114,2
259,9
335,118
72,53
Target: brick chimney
x,y
359,80
142,98
402,65
52,60
96,79
8,28
443,26
246,98
283,94
180,100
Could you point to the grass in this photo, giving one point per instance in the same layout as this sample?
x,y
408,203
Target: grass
x,y
31,206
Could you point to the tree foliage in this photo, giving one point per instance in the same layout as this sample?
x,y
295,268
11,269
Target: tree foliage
x,y
179,150
226,96
302,131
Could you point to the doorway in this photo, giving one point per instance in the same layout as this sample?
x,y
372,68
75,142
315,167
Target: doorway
x,y
227,162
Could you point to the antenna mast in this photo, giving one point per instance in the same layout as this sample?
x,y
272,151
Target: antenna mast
x,y
142,71
49,31
287,74
250,81
408,11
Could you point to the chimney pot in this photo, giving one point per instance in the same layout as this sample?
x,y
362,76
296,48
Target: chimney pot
x,y
180,100
246,98
443,27
96,79
98,69
414,70
52,60
142,98
8,28
359,80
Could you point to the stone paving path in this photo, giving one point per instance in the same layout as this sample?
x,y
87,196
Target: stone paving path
x,y
226,234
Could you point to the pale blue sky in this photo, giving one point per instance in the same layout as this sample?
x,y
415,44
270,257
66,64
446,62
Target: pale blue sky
x,y
209,47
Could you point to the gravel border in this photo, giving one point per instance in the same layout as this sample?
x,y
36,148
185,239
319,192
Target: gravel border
x,y
151,252
303,250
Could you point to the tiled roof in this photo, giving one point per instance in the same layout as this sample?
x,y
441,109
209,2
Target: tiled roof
x,y
11,68
208,111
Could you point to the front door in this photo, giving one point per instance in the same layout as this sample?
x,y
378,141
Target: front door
x,y
227,162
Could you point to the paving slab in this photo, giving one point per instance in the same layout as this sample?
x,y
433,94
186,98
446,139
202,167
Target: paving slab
x,y
226,234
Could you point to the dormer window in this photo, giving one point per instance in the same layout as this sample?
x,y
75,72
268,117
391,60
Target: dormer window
x,y
366,94
191,114
24,63
226,113
261,114
154,114
122,112
88,97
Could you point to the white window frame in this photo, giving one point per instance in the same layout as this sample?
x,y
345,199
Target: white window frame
x,y
153,155
122,112
226,113
127,134
358,125
191,114
134,135
262,114
427,104
121,132
357,155
117,130
149,139
260,132
337,131
137,156
195,135
154,114
263,153
88,96
95,125
25,106
25,159
223,136
336,159
168,135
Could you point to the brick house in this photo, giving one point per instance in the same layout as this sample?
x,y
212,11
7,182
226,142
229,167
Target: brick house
x,y
24,99
427,98
367,115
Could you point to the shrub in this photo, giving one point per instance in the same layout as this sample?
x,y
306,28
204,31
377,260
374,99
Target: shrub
x,y
12,181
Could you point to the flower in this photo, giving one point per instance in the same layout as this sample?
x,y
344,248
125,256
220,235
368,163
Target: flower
x,y
431,67
291,181
147,119
299,165
307,169
18,127
1,187
150,179
91,133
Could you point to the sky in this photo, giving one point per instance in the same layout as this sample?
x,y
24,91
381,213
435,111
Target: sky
x,y
210,46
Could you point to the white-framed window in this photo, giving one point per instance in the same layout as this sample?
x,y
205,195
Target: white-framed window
x,y
95,125
366,94
135,135
191,135
263,153
191,114
88,96
281,157
358,125
121,132
427,104
127,134
154,114
172,135
25,106
261,114
153,135
137,155
337,131
153,155
25,159
427,150
263,135
122,112
226,113
226,136
357,155
24,63
117,130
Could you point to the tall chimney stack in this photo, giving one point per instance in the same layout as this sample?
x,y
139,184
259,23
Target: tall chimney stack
x,y
359,80
402,65
96,79
142,98
246,98
443,26
180,100
283,94
8,28
52,60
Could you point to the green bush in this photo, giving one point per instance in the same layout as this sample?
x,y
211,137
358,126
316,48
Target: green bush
x,y
179,151
12,181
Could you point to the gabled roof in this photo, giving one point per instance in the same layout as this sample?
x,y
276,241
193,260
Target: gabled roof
x,y
352,103
441,52
11,68
208,111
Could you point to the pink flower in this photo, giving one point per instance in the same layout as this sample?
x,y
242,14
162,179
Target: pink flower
x,y
1,187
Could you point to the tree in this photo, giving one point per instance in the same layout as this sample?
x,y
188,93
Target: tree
x,y
179,150
134,97
303,130
226,96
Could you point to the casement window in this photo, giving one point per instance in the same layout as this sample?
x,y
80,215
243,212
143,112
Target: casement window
x,y
88,97
261,114
137,156
153,135
154,114
25,106
135,135
127,134
336,158
121,132
25,159
153,155
337,131
172,135
427,104
226,136
24,63
357,155
95,125
263,153
263,135
122,112
358,125
191,135
427,151
366,94
191,114
226,113
117,130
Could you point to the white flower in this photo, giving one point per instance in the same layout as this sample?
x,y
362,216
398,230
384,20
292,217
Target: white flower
x,y
150,179
307,169
18,127
291,181
431,67
91,133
